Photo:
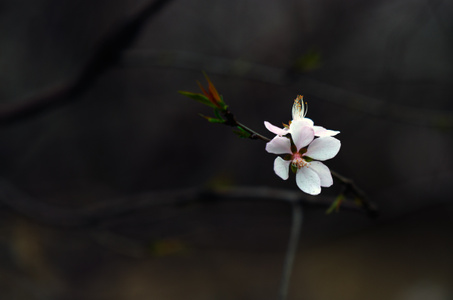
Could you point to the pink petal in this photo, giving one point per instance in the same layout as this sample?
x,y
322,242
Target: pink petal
x,y
323,172
281,167
275,129
302,122
302,135
308,181
323,148
279,145
322,132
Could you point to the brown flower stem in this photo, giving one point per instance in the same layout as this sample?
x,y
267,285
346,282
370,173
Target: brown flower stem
x,y
231,121
254,135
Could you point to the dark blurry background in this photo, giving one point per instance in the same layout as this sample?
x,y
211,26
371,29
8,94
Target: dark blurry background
x,y
381,72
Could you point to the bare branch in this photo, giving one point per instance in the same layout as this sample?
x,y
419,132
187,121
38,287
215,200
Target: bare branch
x,y
114,209
358,195
296,228
107,54
312,87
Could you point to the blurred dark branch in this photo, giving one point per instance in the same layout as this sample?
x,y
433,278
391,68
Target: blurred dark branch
x,y
311,87
358,195
106,55
109,210
296,229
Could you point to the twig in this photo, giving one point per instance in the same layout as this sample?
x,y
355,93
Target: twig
x,y
357,193
438,119
231,121
107,54
296,228
110,210
254,135
350,188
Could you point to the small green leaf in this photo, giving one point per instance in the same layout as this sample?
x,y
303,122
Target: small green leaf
x,y
217,114
198,97
212,120
222,103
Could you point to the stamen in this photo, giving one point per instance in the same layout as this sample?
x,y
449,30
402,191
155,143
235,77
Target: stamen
x,y
298,108
299,163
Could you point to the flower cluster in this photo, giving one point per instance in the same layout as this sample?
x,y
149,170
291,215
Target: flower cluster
x,y
303,146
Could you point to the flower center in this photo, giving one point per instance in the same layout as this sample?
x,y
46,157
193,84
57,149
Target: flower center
x,y
298,161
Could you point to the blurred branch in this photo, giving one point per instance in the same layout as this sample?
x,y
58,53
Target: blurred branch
x,y
312,87
296,228
359,196
106,55
114,209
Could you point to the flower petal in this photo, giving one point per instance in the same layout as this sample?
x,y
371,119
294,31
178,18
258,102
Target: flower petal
x,y
281,167
279,145
308,181
275,129
322,132
323,148
323,172
302,134
302,122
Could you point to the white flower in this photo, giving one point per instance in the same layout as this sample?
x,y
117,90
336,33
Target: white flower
x,y
299,112
304,154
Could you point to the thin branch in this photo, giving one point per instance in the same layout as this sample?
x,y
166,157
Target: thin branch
x,y
107,54
350,188
296,228
254,135
110,210
438,119
357,193
231,121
